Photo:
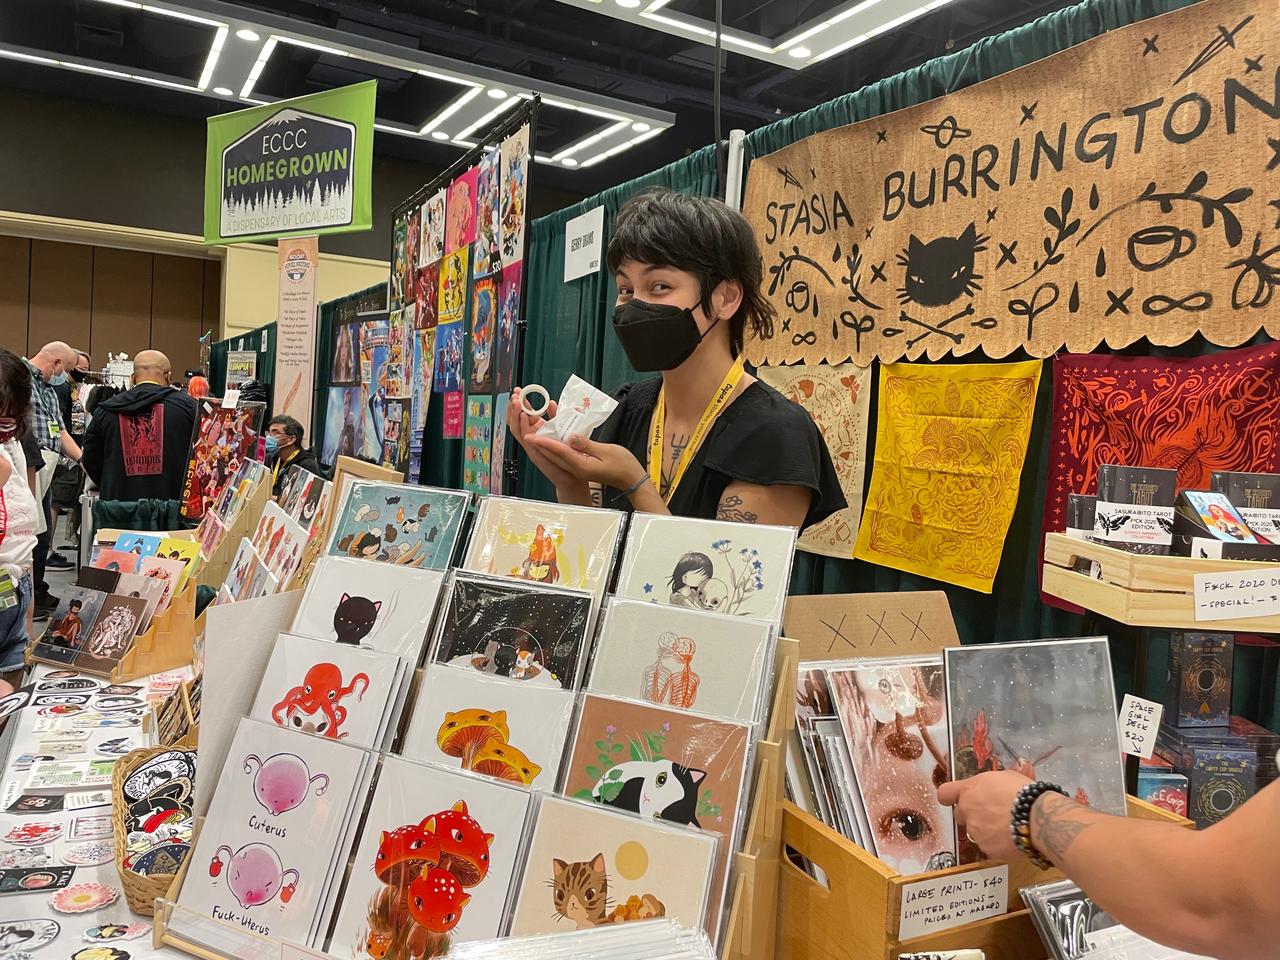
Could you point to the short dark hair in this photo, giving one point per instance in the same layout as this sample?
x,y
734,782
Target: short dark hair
x,y
15,390
701,235
291,426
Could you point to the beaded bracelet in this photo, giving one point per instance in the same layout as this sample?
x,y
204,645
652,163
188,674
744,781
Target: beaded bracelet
x,y
625,494
1021,825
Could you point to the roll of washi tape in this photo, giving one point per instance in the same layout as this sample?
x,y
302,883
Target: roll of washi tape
x,y
535,388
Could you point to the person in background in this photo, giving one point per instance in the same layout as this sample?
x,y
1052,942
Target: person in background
x,y
68,478
139,441
197,387
1208,892
18,516
51,433
285,450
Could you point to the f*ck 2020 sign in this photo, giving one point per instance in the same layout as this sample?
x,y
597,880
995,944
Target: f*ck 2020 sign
x,y
1127,187
301,166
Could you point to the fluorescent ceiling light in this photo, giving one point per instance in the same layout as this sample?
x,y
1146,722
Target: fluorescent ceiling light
x,y
15,55
488,118
90,69
258,65
211,61
131,4
449,78
448,111
625,145
246,34
223,91
464,143
588,141
182,15
322,48
157,82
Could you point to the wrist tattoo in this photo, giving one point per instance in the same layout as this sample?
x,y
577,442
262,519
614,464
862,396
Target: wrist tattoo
x,y
1057,823
730,508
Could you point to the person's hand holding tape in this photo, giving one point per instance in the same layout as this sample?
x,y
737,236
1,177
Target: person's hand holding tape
x,y
524,419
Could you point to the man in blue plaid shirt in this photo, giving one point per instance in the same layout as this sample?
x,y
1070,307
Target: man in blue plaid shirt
x,y
49,366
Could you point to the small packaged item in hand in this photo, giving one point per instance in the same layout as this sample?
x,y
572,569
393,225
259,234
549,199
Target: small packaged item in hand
x,y
582,408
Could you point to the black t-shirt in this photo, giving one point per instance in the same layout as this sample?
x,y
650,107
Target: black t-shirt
x,y
761,438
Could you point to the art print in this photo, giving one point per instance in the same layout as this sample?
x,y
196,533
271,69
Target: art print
x,y
425,365
507,335
453,287
210,534
399,524
235,493
427,284
728,568
384,607
498,455
460,212
328,690
147,589
435,864
117,561
894,719
307,497
1046,709
244,570
683,768
400,265
345,370
222,438
412,242
433,222
139,544
514,732
484,317
479,442
448,364
280,542
524,631
112,633
515,167
544,543
70,624
488,253
166,571
589,866
95,578
686,659
275,827
344,423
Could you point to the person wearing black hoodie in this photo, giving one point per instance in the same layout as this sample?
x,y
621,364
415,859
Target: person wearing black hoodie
x,y
139,441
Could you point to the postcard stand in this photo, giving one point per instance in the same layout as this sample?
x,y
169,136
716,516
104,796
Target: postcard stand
x,y
856,914
214,569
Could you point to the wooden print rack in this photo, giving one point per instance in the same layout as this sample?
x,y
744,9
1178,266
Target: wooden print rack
x,y
855,915
214,569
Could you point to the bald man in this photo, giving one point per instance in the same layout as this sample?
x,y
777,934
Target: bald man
x,y
138,441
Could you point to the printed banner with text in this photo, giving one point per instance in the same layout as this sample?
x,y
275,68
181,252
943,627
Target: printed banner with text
x,y
301,166
296,328
1124,188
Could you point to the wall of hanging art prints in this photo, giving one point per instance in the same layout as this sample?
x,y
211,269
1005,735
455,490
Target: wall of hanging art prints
x,y
460,212
497,457
837,398
1194,414
1113,191
950,443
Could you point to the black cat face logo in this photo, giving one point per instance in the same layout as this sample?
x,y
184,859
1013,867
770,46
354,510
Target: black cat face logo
x,y
941,271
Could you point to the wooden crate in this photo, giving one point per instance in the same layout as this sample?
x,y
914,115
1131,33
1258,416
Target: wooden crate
x,y
1139,590
855,916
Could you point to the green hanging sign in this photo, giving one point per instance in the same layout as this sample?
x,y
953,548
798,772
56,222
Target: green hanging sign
x,y
291,168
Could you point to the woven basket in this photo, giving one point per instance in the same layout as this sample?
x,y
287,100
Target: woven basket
x,y
139,891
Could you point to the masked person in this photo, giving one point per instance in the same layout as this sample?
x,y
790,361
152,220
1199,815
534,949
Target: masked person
x,y
706,439
285,450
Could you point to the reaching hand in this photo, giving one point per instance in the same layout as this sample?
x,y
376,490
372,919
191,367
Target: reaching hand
x,y
984,810
605,463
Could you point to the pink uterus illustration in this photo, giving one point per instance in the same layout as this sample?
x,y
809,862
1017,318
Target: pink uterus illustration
x,y
282,781
254,874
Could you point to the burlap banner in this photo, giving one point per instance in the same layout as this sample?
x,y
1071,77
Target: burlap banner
x,y
1126,187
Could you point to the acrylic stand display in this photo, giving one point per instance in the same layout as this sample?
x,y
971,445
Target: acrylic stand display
x,y
1139,590
855,915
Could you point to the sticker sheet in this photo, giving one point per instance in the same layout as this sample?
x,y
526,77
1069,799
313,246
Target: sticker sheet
x,y
728,568
492,725
397,523
686,659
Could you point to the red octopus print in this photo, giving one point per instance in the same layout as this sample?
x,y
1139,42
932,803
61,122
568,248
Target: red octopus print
x,y
316,705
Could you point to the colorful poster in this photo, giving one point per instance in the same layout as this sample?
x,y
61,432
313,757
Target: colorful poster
x,y
498,457
223,437
460,214
398,338
453,415
345,370
432,243
950,445
448,372
242,365
427,294
412,240
507,335
424,360
400,267
453,287
515,165
837,398
479,442
343,424
488,255
484,317
297,261
301,166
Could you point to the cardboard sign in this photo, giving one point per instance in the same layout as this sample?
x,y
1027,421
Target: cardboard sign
x,y
842,625
1116,190
929,906
1139,721
583,244
1239,595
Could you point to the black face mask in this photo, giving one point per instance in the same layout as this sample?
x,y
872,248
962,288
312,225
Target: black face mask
x,y
656,336
79,376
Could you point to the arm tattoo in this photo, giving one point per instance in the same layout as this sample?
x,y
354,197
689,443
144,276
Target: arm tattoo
x,y
1057,824
731,509
597,495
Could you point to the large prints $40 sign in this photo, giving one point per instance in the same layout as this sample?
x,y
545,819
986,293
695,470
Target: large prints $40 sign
x,y
1127,187
301,166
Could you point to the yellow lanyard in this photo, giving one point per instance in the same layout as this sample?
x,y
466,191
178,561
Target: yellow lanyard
x,y
718,402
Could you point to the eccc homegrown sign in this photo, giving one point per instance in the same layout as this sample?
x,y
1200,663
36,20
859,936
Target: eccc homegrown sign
x,y
294,167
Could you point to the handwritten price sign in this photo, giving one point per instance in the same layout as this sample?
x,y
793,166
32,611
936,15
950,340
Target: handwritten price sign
x,y
1238,595
1139,721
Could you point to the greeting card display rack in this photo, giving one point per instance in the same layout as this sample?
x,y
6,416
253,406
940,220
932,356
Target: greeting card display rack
x,y
856,914
214,568
1139,590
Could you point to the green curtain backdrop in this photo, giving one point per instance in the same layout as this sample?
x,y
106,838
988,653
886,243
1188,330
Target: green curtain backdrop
x,y
263,340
